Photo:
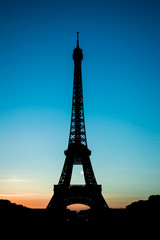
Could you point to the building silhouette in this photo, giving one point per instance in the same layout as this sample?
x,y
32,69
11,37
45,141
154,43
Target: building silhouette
x,y
77,154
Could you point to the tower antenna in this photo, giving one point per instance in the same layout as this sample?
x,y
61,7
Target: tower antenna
x,y
77,39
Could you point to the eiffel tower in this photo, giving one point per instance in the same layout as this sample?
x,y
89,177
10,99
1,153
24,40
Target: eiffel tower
x,y
77,154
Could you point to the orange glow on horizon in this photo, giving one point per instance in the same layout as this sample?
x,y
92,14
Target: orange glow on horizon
x,y
28,201
78,207
41,201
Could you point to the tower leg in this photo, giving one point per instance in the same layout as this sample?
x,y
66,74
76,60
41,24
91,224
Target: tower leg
x,y
88,171
66,172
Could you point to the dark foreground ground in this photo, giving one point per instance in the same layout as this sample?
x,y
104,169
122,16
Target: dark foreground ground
x,y
139,220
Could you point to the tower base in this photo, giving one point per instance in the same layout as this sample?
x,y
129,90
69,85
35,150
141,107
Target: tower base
x,y
89,195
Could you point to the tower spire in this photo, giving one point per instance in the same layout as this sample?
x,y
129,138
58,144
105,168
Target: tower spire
x,y
77,39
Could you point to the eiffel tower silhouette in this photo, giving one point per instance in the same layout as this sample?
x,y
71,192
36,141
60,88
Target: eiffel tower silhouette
x,y
77,154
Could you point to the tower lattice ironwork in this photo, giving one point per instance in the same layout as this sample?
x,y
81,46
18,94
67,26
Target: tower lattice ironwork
x,y
77,153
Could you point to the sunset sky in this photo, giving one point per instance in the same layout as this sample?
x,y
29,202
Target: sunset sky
x,y
121,86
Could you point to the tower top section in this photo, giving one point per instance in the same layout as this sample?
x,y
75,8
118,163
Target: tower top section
x,y
77,130
77,53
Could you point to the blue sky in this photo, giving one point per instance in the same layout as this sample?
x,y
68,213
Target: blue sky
x,y
121,86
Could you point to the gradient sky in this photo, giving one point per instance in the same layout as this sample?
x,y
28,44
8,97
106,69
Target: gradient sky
x,y
121,85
